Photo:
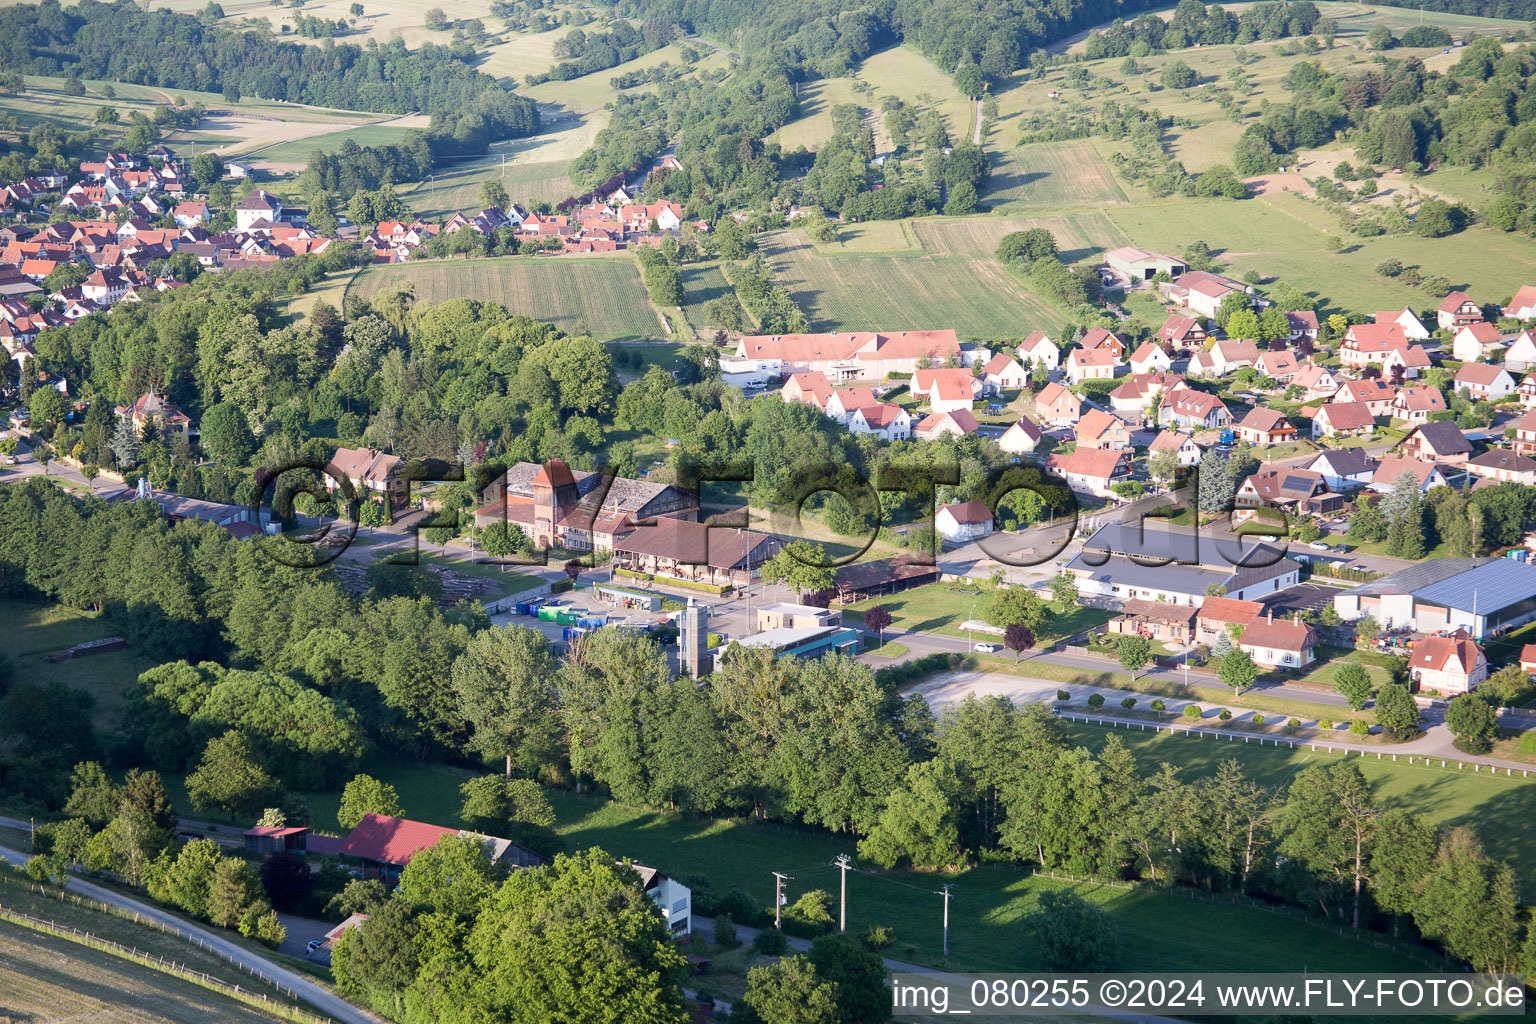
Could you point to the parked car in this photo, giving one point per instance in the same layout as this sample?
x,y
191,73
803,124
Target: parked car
x,y
315,945
986,648
1318,545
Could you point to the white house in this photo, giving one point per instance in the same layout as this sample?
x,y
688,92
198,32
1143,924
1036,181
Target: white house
x,y
1090,364
946,390
1149,357
257,206
962,522
1521,354
1344,469
673,897
957,424
1092,471
1523,305
886,421
1185,451
1037,348
1412,327
1232,354
1477,341
842,402
1021,438
1002,372
1484,381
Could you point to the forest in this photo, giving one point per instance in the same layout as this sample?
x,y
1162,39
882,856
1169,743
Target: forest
x,y
121,42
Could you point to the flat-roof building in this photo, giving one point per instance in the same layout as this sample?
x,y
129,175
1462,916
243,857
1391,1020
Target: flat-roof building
x,y
1484,596
1128,562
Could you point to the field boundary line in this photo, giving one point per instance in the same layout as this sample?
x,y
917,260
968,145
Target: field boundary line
x,y
158,963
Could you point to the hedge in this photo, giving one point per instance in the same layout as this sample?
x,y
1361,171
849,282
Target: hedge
x,y
633,574
561,586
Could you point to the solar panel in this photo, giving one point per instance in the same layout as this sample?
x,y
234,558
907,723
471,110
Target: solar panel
x,y
1296,483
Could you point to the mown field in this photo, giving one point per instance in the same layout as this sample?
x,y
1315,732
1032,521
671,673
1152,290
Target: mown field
x,y
814,125
297,151
1053,174
701,283
44,979
1284,237
531,170
954,282
602,294
34,630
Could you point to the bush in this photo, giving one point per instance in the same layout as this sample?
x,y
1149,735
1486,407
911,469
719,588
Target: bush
x,y
725,932
1096,700
770,942
877,937
1159,705
739,905
1528,742
1128,702
1293,723
1063,695
561,586
1359,728
810,915
1192,711
1324,723
1225,715
1258,719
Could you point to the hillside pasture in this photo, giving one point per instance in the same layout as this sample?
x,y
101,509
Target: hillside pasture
x,y
903,72
602,292
295,152
966,290
49,980
701,284
1079,235
37,630
813,127
1054,174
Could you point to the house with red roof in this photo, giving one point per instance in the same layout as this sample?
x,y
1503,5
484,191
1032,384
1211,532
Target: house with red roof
x,y
1193,410
1476,341
1099,337
1280,366
1365,344
152,407
1038,348
1091,364
385,845
1182,331
1282,643
1150,357
1136,397
1099,429
1377,395
1484,381
1342,419
963,522
809,387
1185,452
1456,311
1448,664
946,390
1413,328
842,402
1092,471
1525,433
1003,372
1522,306
1417,405
371,472
843,356
1521,354
884,420
956,424
1055,406
1021,438
1264,426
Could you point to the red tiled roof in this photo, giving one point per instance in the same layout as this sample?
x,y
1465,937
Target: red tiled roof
x,y
392,840
968,512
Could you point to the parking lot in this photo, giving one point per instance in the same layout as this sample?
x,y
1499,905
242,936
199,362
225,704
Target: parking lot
x,y
1302,597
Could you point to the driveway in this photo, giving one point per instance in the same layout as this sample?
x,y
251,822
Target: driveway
x,y
320,998
1300,598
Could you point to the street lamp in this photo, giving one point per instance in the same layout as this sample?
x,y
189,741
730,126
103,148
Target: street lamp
x,y
969,617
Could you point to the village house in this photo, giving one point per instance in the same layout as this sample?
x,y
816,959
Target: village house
x,y
1037,348
1282,643
1201,291
963,522
259,205
1417,405
1393,468
1021,438
1365,344
1127,561
1484,382
575,509
1456,311
809,387
1182,332
1376,395
1232,354
1448,664
1185,452
1344,469
884,420
153,408
1521,354
843,356
1412,327
1003,373
1155,620
956,424
1137,397
1264,426
1281,366
1055,406
1090,364
1318,381
1099,338
1522,305
841,403
1436,441
1525,434
1285,488
1301,323
1502,466
1217,616
369,470
1477,342
946,390
1527,391
1099,429
385,845
1092,471
1149,357
1193,410
1342,419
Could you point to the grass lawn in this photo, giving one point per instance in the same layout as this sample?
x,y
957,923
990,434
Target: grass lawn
x,y
601,295
333,290
1053,174
1328,661
894,649
39,629
942,607
814,126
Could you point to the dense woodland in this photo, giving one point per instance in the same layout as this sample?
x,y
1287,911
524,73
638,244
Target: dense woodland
x,y
121,42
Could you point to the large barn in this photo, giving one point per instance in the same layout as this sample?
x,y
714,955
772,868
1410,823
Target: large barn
x,y
1484,596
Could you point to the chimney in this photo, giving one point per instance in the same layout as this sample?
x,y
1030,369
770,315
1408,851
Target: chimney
x,y
1271,615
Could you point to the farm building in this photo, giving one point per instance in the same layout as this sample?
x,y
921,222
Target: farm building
x,y
1141,265
1485,596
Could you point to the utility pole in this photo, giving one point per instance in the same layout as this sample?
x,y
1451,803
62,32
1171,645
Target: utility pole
x,y
778,896
842,903
946,922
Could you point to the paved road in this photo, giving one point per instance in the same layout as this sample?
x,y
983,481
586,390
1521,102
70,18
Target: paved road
x,y
320,998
